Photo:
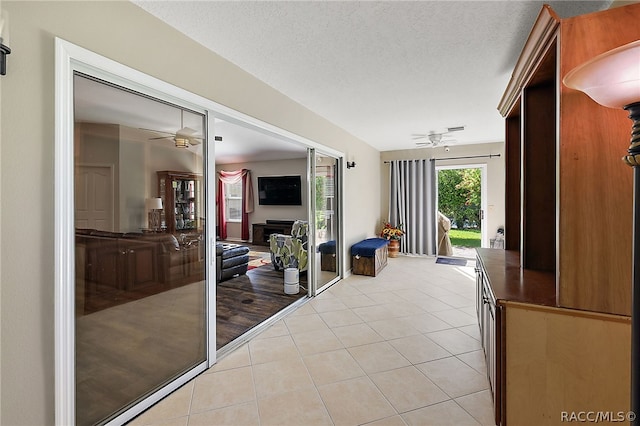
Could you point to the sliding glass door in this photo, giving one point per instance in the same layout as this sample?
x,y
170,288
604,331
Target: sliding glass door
x,y
140,232
326,216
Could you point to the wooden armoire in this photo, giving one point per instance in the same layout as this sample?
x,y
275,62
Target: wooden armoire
x,y
554,306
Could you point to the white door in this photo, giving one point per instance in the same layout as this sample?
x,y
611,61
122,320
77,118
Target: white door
x,y
94,197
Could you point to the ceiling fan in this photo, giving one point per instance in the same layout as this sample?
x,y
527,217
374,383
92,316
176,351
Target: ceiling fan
x,y
182,138
436,138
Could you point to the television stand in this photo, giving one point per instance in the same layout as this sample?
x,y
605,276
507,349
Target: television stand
x,y
262,231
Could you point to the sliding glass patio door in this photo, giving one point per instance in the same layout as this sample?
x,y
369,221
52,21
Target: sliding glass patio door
x,y
326,174
140,254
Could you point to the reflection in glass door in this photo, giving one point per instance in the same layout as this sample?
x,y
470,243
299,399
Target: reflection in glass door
x,y
326,216
140,313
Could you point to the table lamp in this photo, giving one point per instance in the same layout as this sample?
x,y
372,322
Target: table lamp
x,y
612,79
154,205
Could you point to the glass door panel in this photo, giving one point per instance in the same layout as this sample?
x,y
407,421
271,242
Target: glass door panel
x,y
326,216
141,317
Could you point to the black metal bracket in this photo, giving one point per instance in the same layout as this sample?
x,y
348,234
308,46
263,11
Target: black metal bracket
x,y
4,51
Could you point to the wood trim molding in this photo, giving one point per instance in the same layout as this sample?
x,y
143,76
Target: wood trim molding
x,y
570,312
534,49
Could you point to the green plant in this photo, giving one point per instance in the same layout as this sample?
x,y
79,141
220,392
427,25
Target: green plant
x,y
459,196
321,203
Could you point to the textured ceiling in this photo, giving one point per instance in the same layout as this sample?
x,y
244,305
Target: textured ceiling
x,y
380,70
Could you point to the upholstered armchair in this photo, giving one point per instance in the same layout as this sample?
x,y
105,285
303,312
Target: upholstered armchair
x,y
290,251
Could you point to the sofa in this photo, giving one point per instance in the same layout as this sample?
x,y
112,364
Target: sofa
x,y
127,261
231,260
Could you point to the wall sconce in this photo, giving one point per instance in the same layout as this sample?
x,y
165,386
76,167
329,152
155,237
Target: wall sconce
x,y
612,79
351,164
4,49
154,205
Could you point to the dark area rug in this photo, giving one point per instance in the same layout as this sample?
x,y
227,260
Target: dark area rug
x,y
452,261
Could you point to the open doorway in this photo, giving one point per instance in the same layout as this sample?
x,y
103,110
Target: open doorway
x,y
461,200
269,237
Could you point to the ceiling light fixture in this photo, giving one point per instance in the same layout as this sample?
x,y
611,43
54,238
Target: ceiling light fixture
x,y
181,142
612,79
435,138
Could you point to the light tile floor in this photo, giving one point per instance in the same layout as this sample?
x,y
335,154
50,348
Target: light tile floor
x,y
399,349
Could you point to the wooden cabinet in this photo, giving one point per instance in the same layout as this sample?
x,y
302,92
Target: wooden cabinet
x,y
554,306
568,194
489,320
262,231
499,278
119,263
181,194
543,360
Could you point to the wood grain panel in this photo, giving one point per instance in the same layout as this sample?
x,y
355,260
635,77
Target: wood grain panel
x,y
509,282
558,360
539,175
513,181
595,186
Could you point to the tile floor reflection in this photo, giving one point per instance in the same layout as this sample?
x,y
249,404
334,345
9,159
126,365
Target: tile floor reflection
x,y
399,349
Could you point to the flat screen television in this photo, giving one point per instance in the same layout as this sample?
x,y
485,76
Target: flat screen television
x,y
279,190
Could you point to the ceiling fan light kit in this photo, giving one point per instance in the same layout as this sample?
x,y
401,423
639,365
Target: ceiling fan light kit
x,y
181,142
436,138
184,137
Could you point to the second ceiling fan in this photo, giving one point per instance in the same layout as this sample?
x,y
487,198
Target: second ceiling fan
x,y
435,138
183,138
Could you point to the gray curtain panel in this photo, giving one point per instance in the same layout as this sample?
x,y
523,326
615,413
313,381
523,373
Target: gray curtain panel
x,y
412,203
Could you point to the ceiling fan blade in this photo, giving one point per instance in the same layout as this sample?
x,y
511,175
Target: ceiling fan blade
x,y
156,131
187,131
161,137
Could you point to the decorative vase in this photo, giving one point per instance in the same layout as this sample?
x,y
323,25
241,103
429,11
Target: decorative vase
x,y
394,248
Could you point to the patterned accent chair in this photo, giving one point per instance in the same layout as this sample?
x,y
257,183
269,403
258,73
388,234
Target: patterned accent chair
x,y
290,251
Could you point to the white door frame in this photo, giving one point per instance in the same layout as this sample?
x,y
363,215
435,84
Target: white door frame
x,y
71,58
484,239
314,289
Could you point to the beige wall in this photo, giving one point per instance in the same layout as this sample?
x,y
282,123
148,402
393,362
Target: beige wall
x,y
495,175
123,32
1,315
270,168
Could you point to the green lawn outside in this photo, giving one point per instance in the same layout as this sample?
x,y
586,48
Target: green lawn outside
x,y
465,237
